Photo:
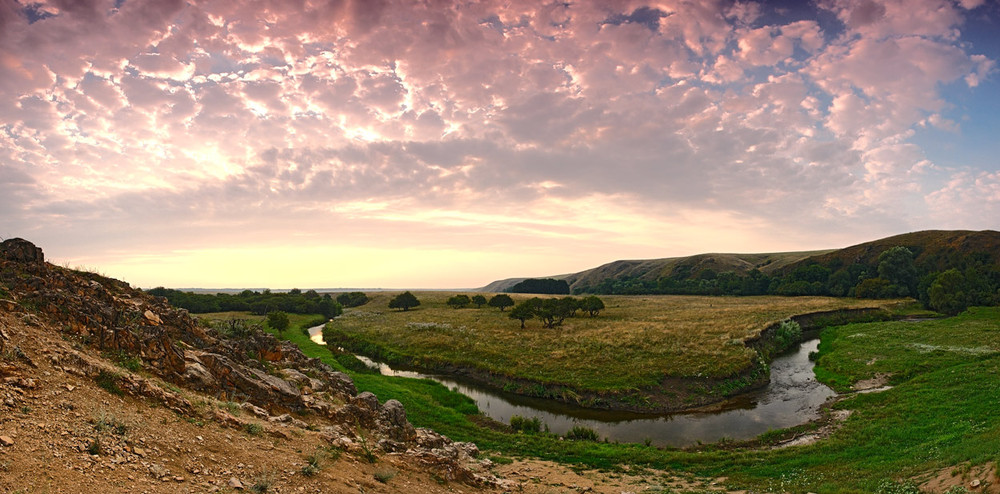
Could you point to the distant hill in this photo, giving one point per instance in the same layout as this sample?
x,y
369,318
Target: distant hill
x,y
969,259
937,249
653,269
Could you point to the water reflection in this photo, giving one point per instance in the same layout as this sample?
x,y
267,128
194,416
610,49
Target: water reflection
x,y
793,397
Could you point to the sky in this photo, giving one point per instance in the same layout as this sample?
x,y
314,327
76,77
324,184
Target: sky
x,y
446,144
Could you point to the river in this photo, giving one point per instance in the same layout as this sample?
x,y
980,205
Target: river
x,y
792,397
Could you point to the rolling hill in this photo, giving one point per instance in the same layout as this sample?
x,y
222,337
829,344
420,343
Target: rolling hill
x,y
938,250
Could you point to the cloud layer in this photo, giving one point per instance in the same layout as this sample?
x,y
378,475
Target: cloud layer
x,y
544,137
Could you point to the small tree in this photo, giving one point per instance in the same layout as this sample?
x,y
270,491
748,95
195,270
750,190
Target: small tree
x,y
522,312
479,300
570,304
948,293
501,301
278,321
404,301
328,307
552,311
592,305
459,301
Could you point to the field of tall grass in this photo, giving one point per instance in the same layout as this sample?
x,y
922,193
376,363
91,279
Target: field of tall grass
x,y
634,343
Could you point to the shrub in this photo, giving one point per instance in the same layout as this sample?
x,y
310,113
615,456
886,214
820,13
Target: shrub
x,y
524,424
108,422
313,464
94,447
124,360
459,301
581,433
109,382
384,475
788,333
278,321
253,429
237,328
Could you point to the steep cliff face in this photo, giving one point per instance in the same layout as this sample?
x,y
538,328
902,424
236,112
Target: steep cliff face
x,y
77,348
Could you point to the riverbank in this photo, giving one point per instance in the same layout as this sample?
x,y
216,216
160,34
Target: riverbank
x,y
643,354
935,426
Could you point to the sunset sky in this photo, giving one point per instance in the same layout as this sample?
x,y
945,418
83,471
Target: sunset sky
x,y
435,144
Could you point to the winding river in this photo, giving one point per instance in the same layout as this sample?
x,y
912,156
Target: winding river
x,y
792,397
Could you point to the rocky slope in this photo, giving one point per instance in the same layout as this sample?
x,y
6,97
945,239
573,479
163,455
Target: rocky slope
x,y
105,388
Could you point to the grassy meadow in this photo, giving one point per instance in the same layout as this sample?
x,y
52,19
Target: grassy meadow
x,y
939,418
634,343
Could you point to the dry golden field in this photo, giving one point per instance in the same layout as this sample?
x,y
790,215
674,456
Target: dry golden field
x,y
635,342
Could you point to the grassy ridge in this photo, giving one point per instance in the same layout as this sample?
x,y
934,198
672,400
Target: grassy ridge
x,y
941,413
634,343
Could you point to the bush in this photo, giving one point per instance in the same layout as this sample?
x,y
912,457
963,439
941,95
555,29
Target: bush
x,y
524,424
787,334
384,475
237,328
459,301
581,433
109,382
278,321
124,360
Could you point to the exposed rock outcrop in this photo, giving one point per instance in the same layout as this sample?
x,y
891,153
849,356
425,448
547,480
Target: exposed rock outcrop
x,y
104,321
21,250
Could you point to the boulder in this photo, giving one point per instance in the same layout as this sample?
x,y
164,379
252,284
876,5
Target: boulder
x,y
21,250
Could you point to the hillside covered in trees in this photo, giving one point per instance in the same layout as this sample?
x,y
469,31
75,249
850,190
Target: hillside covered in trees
x,y
946,270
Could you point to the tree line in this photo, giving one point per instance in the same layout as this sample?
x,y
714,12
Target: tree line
x,y
295,301
968,280
551,311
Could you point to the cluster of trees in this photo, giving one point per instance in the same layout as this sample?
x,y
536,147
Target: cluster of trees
x,y
352,299
462,301
543,286
553,311
295,302
969,280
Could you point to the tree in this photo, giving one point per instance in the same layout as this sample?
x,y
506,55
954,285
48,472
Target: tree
x,y
522,312
278,321
592,305
479,300
404,301
501,301
328,307
553,311
459,301
947,293
873,288
571,304
896,265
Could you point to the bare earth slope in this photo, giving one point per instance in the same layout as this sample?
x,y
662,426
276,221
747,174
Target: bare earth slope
x,y
198,412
